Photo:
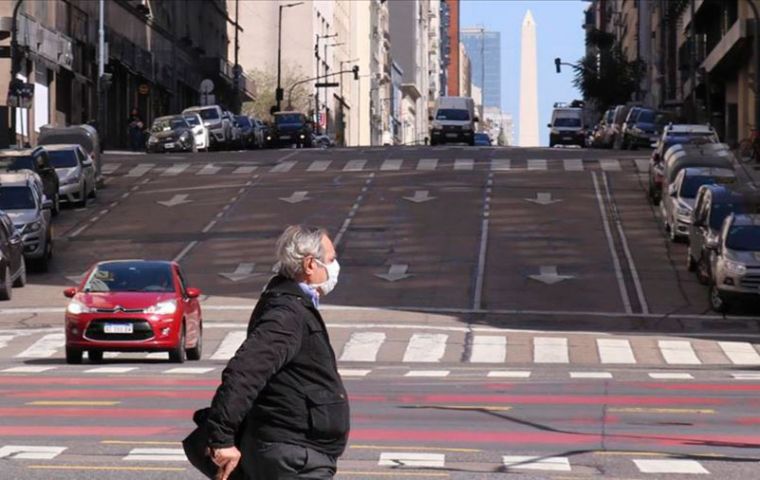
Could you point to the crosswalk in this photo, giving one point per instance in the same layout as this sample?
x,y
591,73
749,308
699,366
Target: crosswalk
x,y
365,165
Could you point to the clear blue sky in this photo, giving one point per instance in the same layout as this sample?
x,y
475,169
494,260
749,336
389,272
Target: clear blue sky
x,y
559,33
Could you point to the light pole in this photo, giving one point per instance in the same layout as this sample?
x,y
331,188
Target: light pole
x,y
342,101
327,67
316,92
757,62
278,92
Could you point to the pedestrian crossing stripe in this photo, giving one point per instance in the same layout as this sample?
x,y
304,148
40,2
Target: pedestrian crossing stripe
x,y
30,452
521,462
156,454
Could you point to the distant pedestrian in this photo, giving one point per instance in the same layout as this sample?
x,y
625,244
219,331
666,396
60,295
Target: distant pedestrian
x,y
281,393
135,129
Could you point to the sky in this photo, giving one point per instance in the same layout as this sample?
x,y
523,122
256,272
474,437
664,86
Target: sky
x,y
559,33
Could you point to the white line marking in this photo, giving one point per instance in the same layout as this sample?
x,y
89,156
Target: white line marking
x,y
209,169
519,462
426,347
4,339
746,376
156,454
611,245
45,347
185,251
508,374
110,370
27,369
354,166
319,165
352,372
245,170
590,375
627,251
415,460
464,164
175,169
477,296
109,168
501,165
391,164
229,345
283,167
157,356
740,353
671,376
613,350
550,350
610,164
210,225
537,164
189,370
27,452
362,347
642,165
427,164
354,208
488,349
678,352
140,170
573,164
670,466
427,373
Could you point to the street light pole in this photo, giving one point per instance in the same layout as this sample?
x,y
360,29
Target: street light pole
x,y
327,67
278,92
757,62
316,91
14,60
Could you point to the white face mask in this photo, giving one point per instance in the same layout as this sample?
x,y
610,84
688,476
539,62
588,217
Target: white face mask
x,y
333,270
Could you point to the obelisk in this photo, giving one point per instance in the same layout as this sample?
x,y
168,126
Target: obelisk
x,y
528,84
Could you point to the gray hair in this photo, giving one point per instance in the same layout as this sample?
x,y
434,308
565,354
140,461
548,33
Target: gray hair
x,y
296,243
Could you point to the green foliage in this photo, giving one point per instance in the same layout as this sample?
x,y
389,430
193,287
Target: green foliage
x,y
266,83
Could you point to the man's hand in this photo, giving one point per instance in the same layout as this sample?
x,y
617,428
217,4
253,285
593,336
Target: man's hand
x,y
226,459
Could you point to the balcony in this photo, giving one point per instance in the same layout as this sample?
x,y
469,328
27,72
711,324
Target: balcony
x,y
727,51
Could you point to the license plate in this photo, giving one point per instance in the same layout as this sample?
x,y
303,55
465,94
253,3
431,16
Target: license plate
x,y
567,138
118,328
285,137
451,135
168,145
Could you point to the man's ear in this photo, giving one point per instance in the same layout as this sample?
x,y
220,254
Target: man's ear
x,y
308,265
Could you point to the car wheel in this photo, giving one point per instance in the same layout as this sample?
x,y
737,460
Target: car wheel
x,y
95,356
94,191
179,354
6,288
196,352
703,271
21,279
717,301
691,264
73,356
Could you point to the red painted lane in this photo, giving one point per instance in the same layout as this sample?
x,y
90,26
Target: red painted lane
x,y
118,382
11,412
554,399
73,431
703,387
106,394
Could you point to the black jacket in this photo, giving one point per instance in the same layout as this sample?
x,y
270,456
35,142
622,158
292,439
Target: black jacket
x,y
283,385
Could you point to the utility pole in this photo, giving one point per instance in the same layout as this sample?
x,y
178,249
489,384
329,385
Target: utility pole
x,y
482,73
327,67
693,62
236,68
316,91
278,92
756,54
14,61
101,83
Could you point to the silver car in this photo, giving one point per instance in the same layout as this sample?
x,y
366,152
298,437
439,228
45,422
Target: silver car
x,y
735,261
76,173
22,199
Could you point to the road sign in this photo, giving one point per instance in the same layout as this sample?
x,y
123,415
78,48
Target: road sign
x,y
143,89
327,84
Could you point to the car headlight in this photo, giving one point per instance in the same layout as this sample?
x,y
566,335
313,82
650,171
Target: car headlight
x,y
735,268
269,137
32,227
437,126
167,307
70,180
185,136
75,308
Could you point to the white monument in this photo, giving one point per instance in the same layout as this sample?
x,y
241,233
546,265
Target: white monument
x,y
528,84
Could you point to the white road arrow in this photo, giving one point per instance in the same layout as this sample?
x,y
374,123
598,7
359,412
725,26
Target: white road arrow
x,y
395,272
175,200
543,199
295,197
420,196
549,275
243,271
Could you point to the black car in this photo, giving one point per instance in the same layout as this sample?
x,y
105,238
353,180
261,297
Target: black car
x,y
290,128
171,134
38,161
482,139
247,131
12,265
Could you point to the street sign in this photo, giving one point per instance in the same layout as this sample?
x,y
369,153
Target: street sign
x,y
327,84
143,89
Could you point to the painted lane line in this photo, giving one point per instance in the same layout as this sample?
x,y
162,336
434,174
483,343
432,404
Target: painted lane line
x,y
362,347
536,164
156,454
488,349
740,353
29,452
611,245
189,370
283,167
391,164
477,296
354,166
600,375
109,168
464,164
427,164
610,164
572,164
508,374
670,376
209,169
319,165
670,466
229,345
245,170
427,373
519,462
425,348
412,460
550,350
613,350
45,347
678,352
110,370
140,170
626,250
353,372
501,165
4,339
746,376
354,208
27,369
185,251
208,227
175,169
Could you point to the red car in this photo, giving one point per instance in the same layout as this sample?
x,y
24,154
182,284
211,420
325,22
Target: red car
x,y
133,306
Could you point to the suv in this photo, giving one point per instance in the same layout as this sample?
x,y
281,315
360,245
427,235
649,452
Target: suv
x,y
735,261
21,197
218,124
76,173
12,264
38,161
290,128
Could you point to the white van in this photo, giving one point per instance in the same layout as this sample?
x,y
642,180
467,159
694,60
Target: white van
x,y
567,127
453,121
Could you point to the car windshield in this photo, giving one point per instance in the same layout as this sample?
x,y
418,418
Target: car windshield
x,y
692,139
16,198
744,238
243,121
567,122
288,118
22,163
646,116
720,211
691,184
131,277
166,124
208,113
63,158
452,114
192,120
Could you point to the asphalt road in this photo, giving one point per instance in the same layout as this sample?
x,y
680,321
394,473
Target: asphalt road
x,y
493,302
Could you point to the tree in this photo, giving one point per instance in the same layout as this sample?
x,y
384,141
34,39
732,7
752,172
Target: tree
x,y
266,84
605,76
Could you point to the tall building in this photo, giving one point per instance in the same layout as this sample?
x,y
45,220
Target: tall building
x,y
464,75
528,83
484,49
452,82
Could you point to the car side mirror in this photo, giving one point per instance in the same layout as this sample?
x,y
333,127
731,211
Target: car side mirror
x,y
87,163
70,292
712,244
47,204
672,191
193,292
548,125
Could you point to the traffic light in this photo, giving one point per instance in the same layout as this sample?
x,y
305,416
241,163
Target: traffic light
x,y
557,62
279,94
356,72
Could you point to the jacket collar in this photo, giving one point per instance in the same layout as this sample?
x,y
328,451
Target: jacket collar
x,y
280,285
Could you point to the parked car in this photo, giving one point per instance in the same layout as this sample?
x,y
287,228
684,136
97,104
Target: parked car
x,y
628,122
566,127
680,156
22,198
38,161
259,133
83,135
133,306
735,262
453,121
645,129
619,114
322,141
682,193
12,263
712,205
200,132
234,139
247,131
290,128
482,139
601,137
76,173
216,122
171,133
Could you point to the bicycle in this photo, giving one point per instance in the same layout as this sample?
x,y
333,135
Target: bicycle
x,y
749,148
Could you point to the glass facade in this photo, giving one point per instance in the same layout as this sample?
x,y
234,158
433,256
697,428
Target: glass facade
x,y
484,45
